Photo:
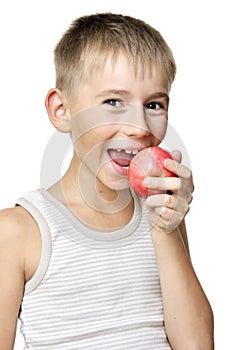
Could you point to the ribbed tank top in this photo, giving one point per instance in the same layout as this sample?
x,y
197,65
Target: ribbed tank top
x,y
92,290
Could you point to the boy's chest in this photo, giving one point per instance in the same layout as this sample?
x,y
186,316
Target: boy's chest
x,y
87,291
109,277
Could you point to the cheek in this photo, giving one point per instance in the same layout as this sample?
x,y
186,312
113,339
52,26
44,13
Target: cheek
x,y
91,119
92,125
91,147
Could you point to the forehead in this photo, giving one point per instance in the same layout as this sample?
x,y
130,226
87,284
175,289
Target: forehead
x,y
118,72
120,68
118,79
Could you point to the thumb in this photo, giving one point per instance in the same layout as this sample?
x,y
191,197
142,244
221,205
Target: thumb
x,y
177,155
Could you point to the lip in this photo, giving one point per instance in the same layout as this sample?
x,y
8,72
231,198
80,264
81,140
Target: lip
x,y
117,168
120,170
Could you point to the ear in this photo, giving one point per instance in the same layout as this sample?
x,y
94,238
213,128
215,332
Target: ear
x,y
57,110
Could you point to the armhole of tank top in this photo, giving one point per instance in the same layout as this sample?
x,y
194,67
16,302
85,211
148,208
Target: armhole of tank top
x,y
38,276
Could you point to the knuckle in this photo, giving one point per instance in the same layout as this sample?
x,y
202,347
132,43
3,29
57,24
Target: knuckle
x,y
188,174
184,206
179,185
161,183
169,200
165,212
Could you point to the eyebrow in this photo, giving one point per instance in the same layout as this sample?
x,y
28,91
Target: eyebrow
x,y
160,95
127,93
114,92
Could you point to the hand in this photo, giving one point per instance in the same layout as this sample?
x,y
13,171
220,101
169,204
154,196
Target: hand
x,y
166,211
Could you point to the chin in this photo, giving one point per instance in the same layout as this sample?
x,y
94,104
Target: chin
x,y
117,185
122,185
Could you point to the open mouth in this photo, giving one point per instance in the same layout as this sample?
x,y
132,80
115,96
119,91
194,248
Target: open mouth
x,y
122,157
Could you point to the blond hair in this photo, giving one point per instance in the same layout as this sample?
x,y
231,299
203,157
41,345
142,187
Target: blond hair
x,y
90,39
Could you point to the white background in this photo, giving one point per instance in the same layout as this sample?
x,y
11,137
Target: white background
x,y
200,35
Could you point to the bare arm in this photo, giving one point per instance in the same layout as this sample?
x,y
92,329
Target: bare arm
x,y
187,312
16,267
11,277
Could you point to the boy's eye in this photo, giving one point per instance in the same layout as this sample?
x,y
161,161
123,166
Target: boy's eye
x,y
154,105
113,103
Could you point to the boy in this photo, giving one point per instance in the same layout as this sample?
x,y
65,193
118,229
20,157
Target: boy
x,y
86,264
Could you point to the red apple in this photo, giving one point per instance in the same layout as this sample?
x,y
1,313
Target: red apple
x,y
148,162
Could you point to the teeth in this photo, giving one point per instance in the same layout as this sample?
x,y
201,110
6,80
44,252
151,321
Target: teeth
x,y
128,151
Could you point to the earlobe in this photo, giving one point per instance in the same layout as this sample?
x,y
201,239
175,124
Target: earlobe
x,y
57,110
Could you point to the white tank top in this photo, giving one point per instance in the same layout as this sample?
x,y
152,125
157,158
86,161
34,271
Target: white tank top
x,y
92,290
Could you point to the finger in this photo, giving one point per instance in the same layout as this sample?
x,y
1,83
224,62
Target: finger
x,y
178,169
161,224
177,155
165,214
173,202
163,183
169,218
161,200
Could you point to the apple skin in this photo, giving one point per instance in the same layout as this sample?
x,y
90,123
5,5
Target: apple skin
x,y
148,162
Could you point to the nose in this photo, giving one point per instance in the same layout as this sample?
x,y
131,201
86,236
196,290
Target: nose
x,y
135,123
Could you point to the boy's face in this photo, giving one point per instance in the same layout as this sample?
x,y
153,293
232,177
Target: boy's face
x,y
116,115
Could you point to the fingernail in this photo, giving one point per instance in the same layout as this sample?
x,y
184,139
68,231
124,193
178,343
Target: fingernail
x,y
146,182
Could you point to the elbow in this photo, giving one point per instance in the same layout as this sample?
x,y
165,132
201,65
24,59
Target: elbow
x,y
206,333
205,342
199,336
204,337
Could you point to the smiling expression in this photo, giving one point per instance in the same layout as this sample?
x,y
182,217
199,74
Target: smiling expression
x,y
117,114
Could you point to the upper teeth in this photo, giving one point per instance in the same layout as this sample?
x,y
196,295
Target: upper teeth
x,y
128,151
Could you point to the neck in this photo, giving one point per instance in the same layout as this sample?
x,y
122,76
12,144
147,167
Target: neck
x,y
79,186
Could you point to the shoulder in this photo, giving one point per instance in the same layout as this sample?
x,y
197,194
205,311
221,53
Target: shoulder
x,y
20,238
15,223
